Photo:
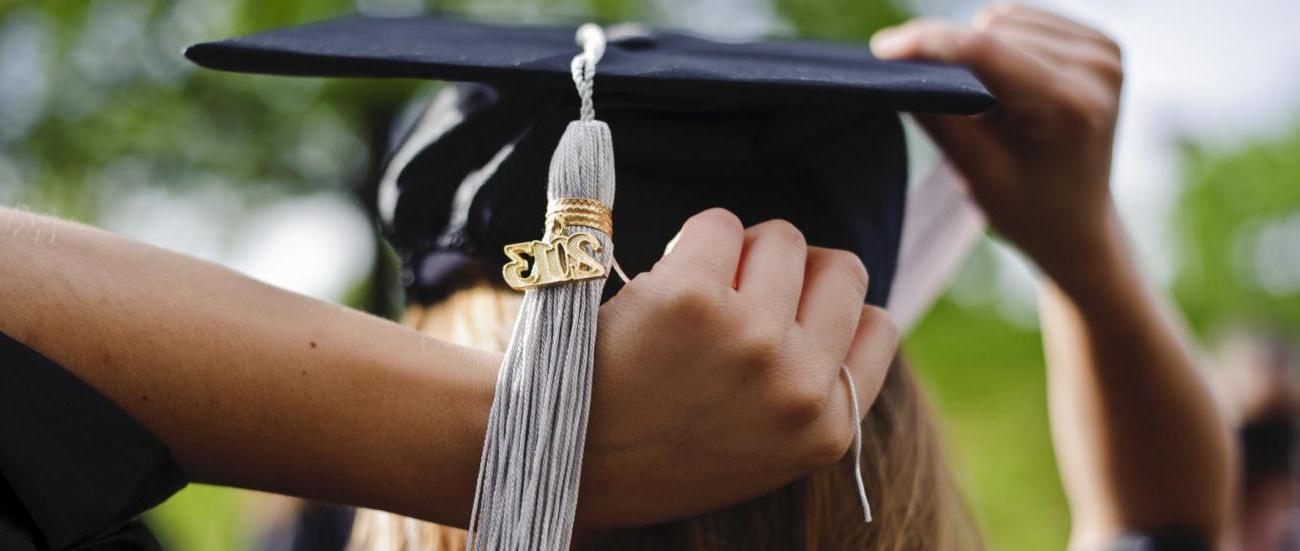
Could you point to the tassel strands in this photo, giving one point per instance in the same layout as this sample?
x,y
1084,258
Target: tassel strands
x,y
529,474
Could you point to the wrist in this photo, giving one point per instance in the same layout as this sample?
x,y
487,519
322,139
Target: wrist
x,y
1091,263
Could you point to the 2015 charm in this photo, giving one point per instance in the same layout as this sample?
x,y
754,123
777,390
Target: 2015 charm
x,y
560,258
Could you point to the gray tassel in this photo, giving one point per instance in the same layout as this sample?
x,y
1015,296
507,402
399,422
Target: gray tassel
x,y
527,489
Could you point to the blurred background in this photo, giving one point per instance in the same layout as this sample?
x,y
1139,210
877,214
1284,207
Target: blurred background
x,y
102,120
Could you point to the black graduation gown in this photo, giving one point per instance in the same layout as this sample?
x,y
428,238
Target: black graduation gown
x,y
75,470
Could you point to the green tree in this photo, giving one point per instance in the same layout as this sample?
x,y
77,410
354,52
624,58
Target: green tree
x,y
1238,224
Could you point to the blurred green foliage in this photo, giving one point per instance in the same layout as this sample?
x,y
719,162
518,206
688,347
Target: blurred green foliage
x,y
1239,227
203,518
107,105
113,100
987,380
846,20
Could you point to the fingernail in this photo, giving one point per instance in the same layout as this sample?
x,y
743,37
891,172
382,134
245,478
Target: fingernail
x,y
886,43
672,243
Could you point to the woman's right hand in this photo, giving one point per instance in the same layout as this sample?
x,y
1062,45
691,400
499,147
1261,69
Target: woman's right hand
x,y
1141,444
718,372
1039,163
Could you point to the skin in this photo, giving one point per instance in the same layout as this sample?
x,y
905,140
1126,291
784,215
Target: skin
x,y
253,386
257,387
1141,443
773,327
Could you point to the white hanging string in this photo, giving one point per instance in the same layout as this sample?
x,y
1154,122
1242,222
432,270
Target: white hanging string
x,y
621,274
857,443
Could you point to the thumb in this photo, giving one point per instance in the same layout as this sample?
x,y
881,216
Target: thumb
x,y
709,244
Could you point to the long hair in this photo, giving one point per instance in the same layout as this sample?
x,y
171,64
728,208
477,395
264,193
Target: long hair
x,y
914,497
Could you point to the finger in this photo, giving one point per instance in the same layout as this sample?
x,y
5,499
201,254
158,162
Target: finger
x,y
834,286
923,38
1045,21
772,266
873,349
1051,48
837,416
846,407
1061,51
1014,76
709,244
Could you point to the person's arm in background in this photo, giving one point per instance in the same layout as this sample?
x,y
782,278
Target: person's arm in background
x,y
254,386
1140,441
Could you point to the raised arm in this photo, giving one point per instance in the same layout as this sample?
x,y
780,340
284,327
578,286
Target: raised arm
x,y
247,384
253,386
1140,443
1139,438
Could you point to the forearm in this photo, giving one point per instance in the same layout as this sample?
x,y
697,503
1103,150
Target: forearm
x,y
247,384
1140,440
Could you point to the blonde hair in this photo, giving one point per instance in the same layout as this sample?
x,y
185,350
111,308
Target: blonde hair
x,y
915,499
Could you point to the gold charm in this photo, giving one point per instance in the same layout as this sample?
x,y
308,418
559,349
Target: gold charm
x,y
559,258
567,259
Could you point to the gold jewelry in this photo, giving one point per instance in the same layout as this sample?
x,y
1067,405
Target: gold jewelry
x,y
590,213
560,258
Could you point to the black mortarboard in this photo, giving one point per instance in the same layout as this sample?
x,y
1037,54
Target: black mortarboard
x,y
803,131
799,130
647,64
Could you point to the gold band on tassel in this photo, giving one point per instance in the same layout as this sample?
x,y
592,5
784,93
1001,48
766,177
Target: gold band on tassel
x,y
560,258
562,213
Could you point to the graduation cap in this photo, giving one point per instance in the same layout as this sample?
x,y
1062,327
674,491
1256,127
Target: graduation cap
x,y
804,131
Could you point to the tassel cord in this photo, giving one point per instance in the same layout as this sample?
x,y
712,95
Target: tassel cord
x,y
526,491
527,488
583,67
